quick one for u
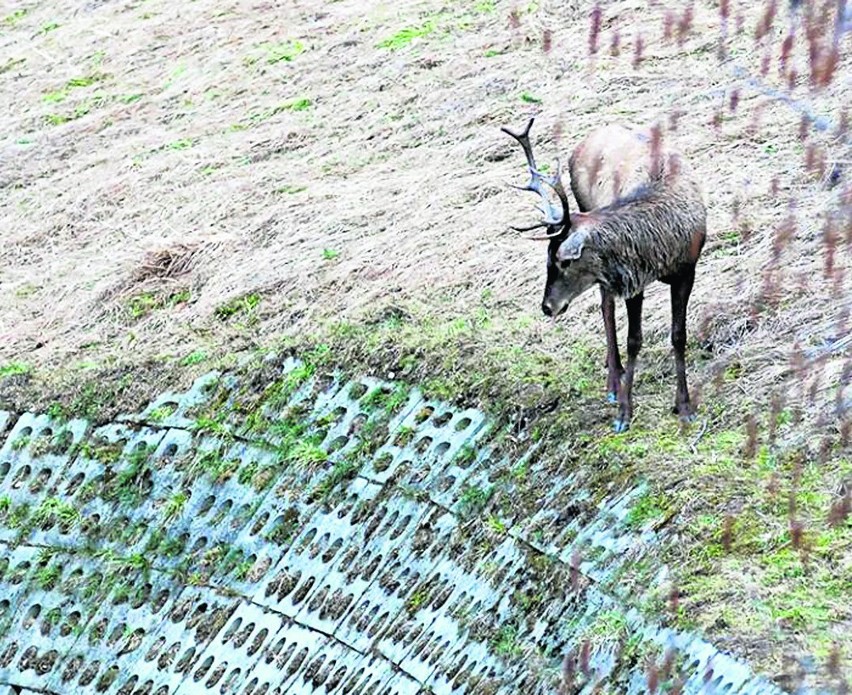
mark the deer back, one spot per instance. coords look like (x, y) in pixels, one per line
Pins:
(612, 162)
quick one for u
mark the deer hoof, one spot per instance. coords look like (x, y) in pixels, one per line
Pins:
(612, 397)
(684, 412)
(620, 426)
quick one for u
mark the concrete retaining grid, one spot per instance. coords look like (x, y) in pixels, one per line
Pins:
(149, 557)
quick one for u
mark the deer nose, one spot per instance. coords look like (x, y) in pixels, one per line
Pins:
(545, 307)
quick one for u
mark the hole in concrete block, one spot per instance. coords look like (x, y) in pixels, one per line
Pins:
(107, 679)
(382, 463)
(424, 414)
(72, 621)
(129, 685)
(168, 656)
(202, 670)
(116, 633)
(155, 649)
(259, 523)
(463, 424)
(337, 443)
(241, 637)
(257, 642)
(312, 669)
(72, 668)
(206, 505)
(442, 419)
(230, 683)
(232, 628)
(27, 660)
(216, 674)
(75, 483)
(183, 665)
(22, 474)
(319, 545)
(89, 673)
(31, 616)
(357, 390)
(297, 661)
(303, 590)
(159, 601)
(273, 651)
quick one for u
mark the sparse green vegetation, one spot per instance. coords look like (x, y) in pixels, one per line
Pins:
(175, 506)
(13, 18)
(505, 643)
(182, 144)
(608, 626)
(193, 358)
(299, 104)
(101, 450)
(133, 479)
(306, 454)
(258, 117)
(47, 577)
(405, 36)
(291, 189)
(340, 472)
(14, 369)
(145, 303)
(465, 456)
(473, 500)
(55, 511)
(529, 98)
(646, 509)
(215, 464)
(417, 600)
(240, 306)
(287, 51)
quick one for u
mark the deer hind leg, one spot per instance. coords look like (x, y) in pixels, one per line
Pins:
(634, 344)
(681, 287)
(613, 359)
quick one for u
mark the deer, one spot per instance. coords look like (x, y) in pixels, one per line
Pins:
(641, 219)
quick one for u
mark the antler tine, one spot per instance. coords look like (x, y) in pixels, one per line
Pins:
(524, 140)
(552, 218)
(544, 237)
(555, 182)
(548, 235)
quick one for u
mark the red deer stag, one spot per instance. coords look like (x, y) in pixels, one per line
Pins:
(642, 218)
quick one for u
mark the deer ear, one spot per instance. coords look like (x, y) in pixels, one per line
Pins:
(572, 248)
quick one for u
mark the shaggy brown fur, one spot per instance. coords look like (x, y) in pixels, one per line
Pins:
(642, 219)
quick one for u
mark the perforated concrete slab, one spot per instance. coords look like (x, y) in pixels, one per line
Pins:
(327, 538)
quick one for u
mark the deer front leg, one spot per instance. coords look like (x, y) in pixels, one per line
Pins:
(613, 359)
(681, 287)
(634, 344)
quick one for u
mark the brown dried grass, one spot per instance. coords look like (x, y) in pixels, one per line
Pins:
(400, 157)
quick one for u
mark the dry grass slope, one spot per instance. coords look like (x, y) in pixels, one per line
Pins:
(182, 182)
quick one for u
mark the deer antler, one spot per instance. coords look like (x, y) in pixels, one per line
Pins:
(552, 217)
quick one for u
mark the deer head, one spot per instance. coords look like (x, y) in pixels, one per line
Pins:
(567, 273)
(570, 268)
